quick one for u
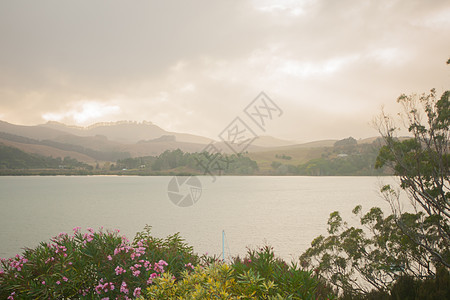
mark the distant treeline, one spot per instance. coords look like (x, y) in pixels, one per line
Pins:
(199, 162)
(13, 159)
(346, 158)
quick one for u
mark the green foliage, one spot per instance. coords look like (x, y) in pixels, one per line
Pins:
(96, 265)
(404, 254)
(215, 281)
(377, 254)
(100, 155)
(93, 265)
(275, 164)
(289, 281)
(13, 158)
(410, 288)
(423, 166)
(201, 163)
(347, 160)
(172, 249)
(258, 276)
(283, 156)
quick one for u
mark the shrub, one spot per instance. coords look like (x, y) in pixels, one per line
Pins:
(92, 265)
(258, 276)
(105, 265)
(291, 282)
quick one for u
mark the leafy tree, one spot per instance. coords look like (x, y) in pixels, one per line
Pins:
(275, 164)
(390, 253)
(372, 256)
(422, 165)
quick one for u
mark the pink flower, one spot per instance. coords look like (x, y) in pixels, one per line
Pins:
(58, 282)
(109, 257)
(88, 237)
(61, 234)
(162, 263)
(43, 282)
(123, 288)
(119, 270)
(76, 229)
(137, 292)
(147, 265)
(65, 278)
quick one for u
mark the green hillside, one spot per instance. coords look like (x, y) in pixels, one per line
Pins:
(12, 159)
(344, 157)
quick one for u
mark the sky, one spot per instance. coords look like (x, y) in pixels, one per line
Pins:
(194, 66)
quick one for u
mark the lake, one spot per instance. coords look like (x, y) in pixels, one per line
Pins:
(285, 212)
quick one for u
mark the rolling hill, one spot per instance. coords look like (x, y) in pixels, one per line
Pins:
(104, 142)
(125, 132)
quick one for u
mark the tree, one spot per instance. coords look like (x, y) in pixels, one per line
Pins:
(350, 141)
(373, 256)
(404, 244)
(422, 165)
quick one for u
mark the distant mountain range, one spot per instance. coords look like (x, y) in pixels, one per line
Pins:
(112, 141)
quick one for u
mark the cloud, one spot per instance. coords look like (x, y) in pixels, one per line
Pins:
(83, 113)
(286, 7)
(193, 66)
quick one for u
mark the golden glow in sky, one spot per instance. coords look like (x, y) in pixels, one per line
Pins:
(192, 66)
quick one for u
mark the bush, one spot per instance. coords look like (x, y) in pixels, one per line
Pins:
(92, 265)
(257, 276)
(290, 281)
(105, 265)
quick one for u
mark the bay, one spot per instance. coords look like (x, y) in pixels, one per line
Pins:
(284, 212)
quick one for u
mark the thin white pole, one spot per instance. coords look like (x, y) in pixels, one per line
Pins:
(223, 245)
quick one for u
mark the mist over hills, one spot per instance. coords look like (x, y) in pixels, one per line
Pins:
(146, 149)
(112, 141)
(125, 131)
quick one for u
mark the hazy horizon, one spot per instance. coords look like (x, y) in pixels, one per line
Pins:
(193, 67)
(112, 123)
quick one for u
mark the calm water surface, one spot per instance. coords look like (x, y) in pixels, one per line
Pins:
(285, 212)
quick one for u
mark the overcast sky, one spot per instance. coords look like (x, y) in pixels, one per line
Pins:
(193, 66)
